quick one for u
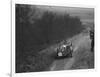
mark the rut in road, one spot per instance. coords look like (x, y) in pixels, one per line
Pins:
(66, 63)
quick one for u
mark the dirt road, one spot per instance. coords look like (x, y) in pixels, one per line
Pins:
(79, 41)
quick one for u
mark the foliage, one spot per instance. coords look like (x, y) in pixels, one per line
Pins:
(31, 38)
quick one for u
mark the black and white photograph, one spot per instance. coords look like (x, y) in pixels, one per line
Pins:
(53, 38)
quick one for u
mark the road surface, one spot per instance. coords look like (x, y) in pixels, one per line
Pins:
(79, 41)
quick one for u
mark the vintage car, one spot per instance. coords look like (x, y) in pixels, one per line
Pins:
(65, 50)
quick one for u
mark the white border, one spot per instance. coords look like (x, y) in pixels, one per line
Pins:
(67, 73)
(13, 39)
(67, 3)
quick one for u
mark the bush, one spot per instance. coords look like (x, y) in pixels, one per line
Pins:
(32, 37)
(35, 63)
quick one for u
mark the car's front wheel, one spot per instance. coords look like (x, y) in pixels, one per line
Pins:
(70, 54)
(60, 54)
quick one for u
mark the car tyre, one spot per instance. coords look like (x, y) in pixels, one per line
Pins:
(70, 54)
